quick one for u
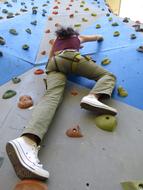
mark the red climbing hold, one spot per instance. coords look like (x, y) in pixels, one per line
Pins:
(38, 72)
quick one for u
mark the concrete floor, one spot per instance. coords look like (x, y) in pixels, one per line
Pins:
(98, 160)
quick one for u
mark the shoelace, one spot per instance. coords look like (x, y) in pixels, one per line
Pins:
(35, 153)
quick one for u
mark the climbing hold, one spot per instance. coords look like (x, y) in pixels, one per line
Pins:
(67, 8)
(54, 12)
(43, 52)
(34, 11)
(25, 47)
(86, 9)
(116, 33)
(107, 14)
(132, 185)
(4, 11)
(98, 26)
(140, 49)
(115, 24)
(50, 18)
(16, 14)
(74, 132)
(57, 25)
(29, 184)
(39, 72)
(56, 7)
(13, 31)
(93, 14)
(1, 53)
(23, 10)
(110, 18)
(28, 31)
(34, 22)
(71, 15)
(126, 19)
(47, 31)
(74, 92)
(100, 39)
(77, 25)
(105, 61)
(76, 11)
(106, 122)
(9, 94)
(133, 36)
(16, 80)
(122, 92)
(25, 102)
(84, 20)
(81, 5)
(1, 17)
(10, 15)
(2, 41)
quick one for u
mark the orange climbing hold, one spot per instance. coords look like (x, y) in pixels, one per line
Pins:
(31, 185)
(74, 132)
(38, 72)
(25, 102)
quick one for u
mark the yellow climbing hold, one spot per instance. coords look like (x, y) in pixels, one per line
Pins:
(106, 122)
(105, 61)
(122, 92)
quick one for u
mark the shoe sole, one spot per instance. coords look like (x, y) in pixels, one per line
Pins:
(98, 110)
(21, 171)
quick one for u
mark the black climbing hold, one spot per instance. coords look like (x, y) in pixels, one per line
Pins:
(1, 53)
(13, 31)
(2, 41)
(25, 47)
(34, 22)
(28, 31)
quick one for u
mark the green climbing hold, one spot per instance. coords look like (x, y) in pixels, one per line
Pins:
(25, 47)
(115, 24)
(129, 185)
(106, 122)
(93, 14)
(2, 41)
(81, 5)
(110, 18)
(122, 92)
(16, 80)
(133, 36)
(105, 61)
(116, 33)
(98, 26)
(86, 9)
(77, 25)
(9, 94)
(13, 31)
(84, 20)
(28, 31)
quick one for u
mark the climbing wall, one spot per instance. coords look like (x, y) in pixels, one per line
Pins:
(99, 159)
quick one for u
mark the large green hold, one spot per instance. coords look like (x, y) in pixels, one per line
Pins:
(9, 94)
(106, 122)
(129, 185)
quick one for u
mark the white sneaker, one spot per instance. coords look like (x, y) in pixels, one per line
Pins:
(91, 103)
(23, 154)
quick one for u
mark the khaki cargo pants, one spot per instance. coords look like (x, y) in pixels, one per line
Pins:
(57, 69)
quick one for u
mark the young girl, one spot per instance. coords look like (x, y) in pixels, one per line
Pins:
(64, 59)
